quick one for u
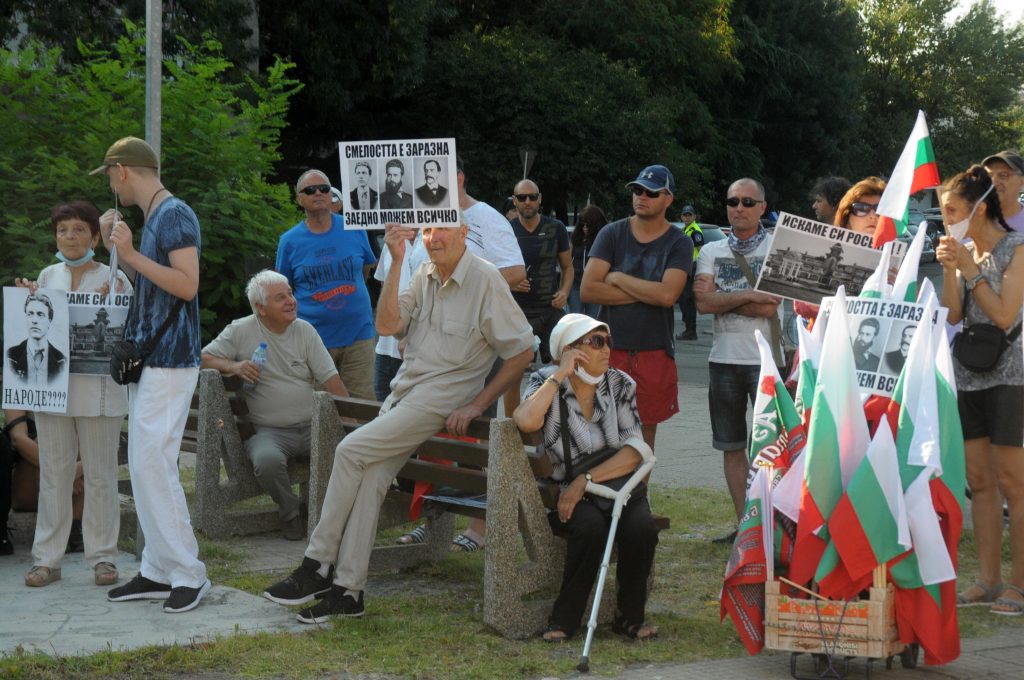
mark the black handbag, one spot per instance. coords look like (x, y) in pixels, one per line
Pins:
(979, 346)
(128, 359)
(593, 460)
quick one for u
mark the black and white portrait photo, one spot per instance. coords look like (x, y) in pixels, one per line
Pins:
(35, 349)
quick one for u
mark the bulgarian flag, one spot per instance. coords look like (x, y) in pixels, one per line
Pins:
(836, 442)
(905, 286)
(877, 285)
(787, 494)
(929, 443)
(777, 438)
(915, 170)
(869, 525)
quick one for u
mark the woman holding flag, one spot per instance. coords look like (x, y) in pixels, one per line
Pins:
(983, 283)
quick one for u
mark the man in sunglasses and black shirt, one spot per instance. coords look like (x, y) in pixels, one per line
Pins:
(637, 270)
(724, 289)
(326, 267)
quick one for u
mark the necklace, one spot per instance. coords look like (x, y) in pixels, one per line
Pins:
(155, 194)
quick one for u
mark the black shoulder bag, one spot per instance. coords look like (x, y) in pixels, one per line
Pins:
(593, 460)
(978, 346)
(127, 358)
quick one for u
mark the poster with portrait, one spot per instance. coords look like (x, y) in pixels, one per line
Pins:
(36, 356)
(809, 260)
(880, 334)
(96, 321)
(407, 181)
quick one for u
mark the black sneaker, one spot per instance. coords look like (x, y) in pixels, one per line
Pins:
(183, 598)
(139, 588)
(335, 603)
(6, 545)
(303, 585)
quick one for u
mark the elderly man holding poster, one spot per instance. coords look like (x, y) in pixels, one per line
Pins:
(456, 317)
(724, 286)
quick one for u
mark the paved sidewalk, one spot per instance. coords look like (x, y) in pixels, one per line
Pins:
(73, 617)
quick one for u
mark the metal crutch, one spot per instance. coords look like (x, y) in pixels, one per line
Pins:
(621, 497)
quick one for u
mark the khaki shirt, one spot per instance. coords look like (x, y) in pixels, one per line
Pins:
(454, 332)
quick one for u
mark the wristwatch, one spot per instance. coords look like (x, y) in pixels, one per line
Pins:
(587, 476)
(974, 281)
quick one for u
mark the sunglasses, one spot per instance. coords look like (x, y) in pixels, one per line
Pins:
(523, 198)
(597, 341)
(313, 188)
(863, 209)
(747, 201)
(640, 191)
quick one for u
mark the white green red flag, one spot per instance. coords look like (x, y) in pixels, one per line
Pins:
(777, 438)
(869, 525)
(877, 285)
(837, 439)
(905, 286)
(929, 444)
(915, 170)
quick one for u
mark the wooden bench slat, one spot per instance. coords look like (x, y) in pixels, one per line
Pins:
(440, 475)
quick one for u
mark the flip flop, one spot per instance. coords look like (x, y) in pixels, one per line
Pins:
(987, 597)
(1011, 606)
(463, 543)
(417, 535)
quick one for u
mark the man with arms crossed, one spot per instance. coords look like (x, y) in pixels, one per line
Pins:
(722, 289)
(165, 273)
(456, 317)
(636, 272)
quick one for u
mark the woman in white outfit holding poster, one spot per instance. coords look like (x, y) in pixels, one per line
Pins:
(90, 428)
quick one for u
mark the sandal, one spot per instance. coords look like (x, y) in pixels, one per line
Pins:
(634, 631)
(38, 576)
(105, 574)
(417, 535)
(983, 595)
(463, 543)
(554, 634)
(1009, 606)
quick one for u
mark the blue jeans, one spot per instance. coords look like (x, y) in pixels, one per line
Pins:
(385, 368)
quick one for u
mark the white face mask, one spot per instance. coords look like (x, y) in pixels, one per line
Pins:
(586, 377)
(959, 230)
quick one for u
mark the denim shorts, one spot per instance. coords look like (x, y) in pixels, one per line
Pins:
(731, 386)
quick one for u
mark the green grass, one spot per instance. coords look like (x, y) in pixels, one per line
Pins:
(426, 622)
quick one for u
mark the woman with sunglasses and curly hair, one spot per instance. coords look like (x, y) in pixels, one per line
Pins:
(858, 209)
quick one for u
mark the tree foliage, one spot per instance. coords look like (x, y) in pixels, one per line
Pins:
(220, 142)
(965, 74)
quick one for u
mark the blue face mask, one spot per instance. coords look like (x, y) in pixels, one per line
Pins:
(80, 261)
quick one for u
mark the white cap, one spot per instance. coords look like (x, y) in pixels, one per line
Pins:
(569, 329)
(335, 195)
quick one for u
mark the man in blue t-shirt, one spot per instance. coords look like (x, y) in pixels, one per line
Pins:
(637, 270)
(327, 266)
(165, 273)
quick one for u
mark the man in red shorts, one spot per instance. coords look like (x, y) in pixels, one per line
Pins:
(636, 272)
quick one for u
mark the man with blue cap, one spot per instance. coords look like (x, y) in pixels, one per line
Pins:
(637, 270)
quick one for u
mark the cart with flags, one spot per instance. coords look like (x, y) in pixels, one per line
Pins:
(848, 543)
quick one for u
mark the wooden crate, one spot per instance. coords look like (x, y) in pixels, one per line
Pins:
(867, 628)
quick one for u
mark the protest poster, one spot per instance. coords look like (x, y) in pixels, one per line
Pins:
(96, 321)
(809, 260)
(35, 350)
(407, 181)
(880, 334)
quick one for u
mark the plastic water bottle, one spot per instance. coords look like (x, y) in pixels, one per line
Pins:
(259, 357)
